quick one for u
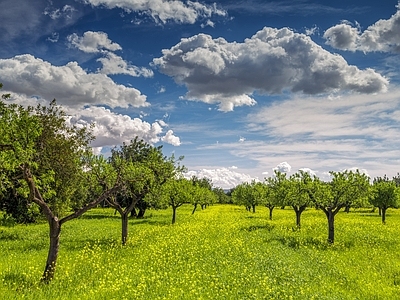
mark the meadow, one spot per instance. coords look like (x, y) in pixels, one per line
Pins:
(222, 252)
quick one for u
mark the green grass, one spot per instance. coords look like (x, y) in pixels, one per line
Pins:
(223, 252)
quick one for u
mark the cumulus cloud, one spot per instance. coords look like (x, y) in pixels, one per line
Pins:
(92, 42)
(170, 138)
(69, 84)
(283, 167)
(222, 177)
(114, 64)
(383, 36)
(271, 61)
(309, 171)
(163, 11)
(113, 129)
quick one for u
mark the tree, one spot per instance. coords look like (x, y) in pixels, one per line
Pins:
(275, 191)
(345, 188)
(153, 170)
(297, 196)
(175, 193)
(46, 155)
(248, 194)
(384, 194)
(201, 192)
(222, 197)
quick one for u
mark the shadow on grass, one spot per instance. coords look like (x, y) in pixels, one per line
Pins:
(9, 236)
(295, 242)
(267, 227)
(17, 281)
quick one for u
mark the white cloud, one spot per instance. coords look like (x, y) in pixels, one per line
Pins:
(222, 177)
(283, 167)
(271, 61)
(164, 10)
(383, 36)
(309, 171)
(69, 84)
(92, 42)
(114, 64)
(170, 138)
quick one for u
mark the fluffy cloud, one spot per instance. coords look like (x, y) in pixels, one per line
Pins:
(170, 138)
(309, 171)
(164, 10)
(223, 177)
(383, 36)
(92, 42)
(271, 61)
(114, 64)
(69, 84)
(283, 167)
(113, 129)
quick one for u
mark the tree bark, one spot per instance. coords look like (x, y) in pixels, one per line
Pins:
(254, 208)
(50, 268)
(141, 212)
(194, 208)
(299, 210)
(124, 219)
(331, 225)
(271, 208)
(384, 215)
(173, 214)
(380, 211)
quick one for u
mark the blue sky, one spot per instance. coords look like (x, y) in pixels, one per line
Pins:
(240, 88)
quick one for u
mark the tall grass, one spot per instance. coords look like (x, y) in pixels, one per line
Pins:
(223, 252)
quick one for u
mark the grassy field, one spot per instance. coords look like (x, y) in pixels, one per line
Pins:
(223, 252)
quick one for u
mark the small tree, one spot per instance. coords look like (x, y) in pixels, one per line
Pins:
(384, 194)
(345, 188)
(297, 196)
(175, 193)
(248, 194)
(275, 191)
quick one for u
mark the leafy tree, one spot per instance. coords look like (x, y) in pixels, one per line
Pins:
(248, 194)
(175, 193)
(384, 194)
(155, 170)
(275, 191)
(202, 192)
(222, 197)
(345, 188)
(297, 195)
(46, 154)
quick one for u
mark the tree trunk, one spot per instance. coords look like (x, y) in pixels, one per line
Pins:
(133, 213)
(384, 215)
(271, 208)
(173, 214)
(49, 270)
(124, 218)
(194, 208)
(298, 215)
(331, 226)
(141, 212)
(254, 208)
(347, 209)
(380, 211)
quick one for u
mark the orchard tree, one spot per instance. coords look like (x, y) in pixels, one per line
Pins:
(201, 192)
(384, 194)
(275, 191)
(175, 193)
(155, 170)
(248, 194)
(49, 158)
(297, 196)
(345, 188)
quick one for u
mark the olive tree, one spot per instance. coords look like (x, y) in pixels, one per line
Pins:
(275, 191)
